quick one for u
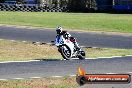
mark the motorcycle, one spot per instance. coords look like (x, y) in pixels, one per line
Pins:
(68, 49)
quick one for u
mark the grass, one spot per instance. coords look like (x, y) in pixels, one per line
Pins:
(77, 21)
(64, 82)
(19, 51)
(25, 51)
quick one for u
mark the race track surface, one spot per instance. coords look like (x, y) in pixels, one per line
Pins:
(84, 38)
(46, 68)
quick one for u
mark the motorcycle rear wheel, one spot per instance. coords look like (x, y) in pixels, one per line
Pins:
(82, 55)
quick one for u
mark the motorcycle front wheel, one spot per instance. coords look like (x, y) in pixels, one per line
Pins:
(65, 52)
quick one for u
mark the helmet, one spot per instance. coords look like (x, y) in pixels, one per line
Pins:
(59, 30)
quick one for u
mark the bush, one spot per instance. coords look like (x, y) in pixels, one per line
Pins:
(82, 5)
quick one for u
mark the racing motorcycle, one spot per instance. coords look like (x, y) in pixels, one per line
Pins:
(68, 49)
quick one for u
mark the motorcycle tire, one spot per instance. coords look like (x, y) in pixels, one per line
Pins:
(63, 53)
(82, 55)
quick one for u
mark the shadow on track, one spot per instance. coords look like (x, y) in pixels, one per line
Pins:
(59, 60)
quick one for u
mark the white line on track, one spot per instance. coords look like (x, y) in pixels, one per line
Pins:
(56, 76)
(72, 75)
(112, 57)
(116, 56)
(3, 79)
(18, 78)
(35, 77)
(12, 40)
(19, 61)
(64, 59)
(128, 55)
(24, 41)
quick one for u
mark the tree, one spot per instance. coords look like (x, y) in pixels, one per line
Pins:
(1, 1)
(81, 5)
(20, 1)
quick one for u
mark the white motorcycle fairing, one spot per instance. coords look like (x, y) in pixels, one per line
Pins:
(60, 40)
(67, 48)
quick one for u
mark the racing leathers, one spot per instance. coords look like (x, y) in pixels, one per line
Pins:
(67, 35)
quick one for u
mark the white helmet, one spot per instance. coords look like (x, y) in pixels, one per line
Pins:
(59, 30)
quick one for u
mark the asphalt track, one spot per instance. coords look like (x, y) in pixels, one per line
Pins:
(45, 68)
(84, 38)
(48, 68)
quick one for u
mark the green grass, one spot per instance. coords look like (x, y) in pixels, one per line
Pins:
(18, 51)
(76, 21)
(69, 82)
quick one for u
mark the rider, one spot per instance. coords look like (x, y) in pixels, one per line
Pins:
(66, 35)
